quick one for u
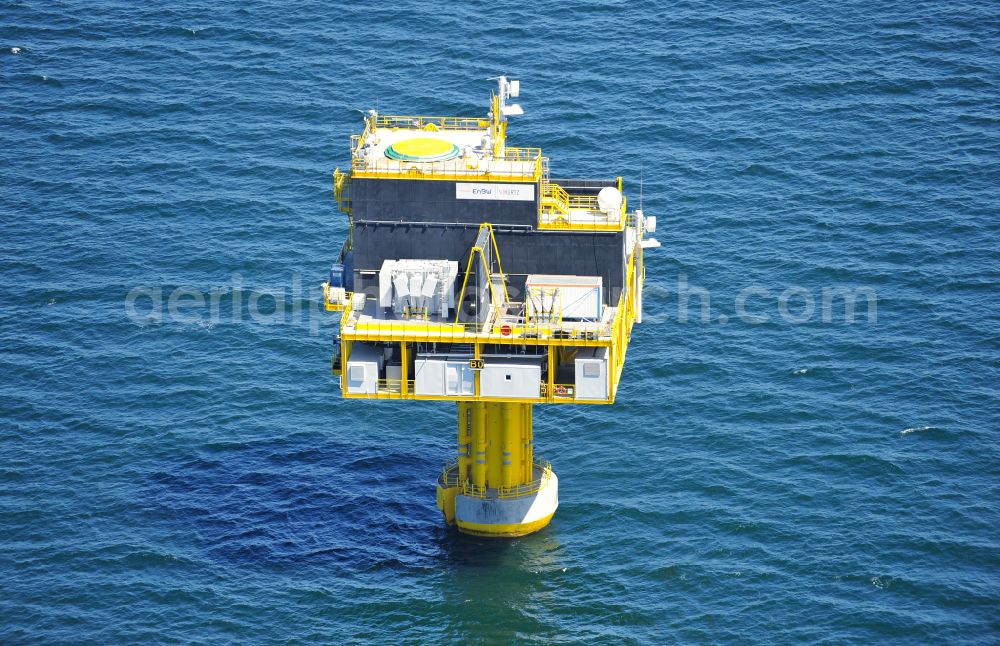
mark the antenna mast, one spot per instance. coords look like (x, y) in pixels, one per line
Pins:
(640, 185)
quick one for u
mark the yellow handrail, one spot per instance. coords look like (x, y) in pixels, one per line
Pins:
(524, 170)
(505, 492)
(473, 490)
(449, 474)
(586, 202)
(341, 184)
(332, 306)
(404, 122)
(390, 386)
(528, 488)
(555, 196)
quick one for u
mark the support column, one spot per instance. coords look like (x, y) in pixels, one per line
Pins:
(404, 387)
(527, 445)
(464, 441)
(553, 350)
(478, 443)
(511, 496)
(511, 470)
(494, 445)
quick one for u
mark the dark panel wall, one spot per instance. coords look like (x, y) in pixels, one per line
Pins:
(521, 251)
(421, 200)
(585, 186)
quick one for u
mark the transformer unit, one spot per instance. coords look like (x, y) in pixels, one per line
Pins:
(415, 288)
(572, 298)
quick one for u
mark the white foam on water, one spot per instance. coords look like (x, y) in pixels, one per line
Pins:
(916, 429)
(882, 582)
(15, 50)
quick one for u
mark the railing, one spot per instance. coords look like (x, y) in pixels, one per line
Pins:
(583, 202)
(473, 490)
(390, 386)
(379, 327)
(521, 154)
(555, 197)
(449, 474)
(510, 154)
(469, 332)
(394, 387)
(576, 211)
(558, 196)
(421, 123)
(449, 478)
(579, 222)
(528, 488)
(341, 190)
(336, 305)
(516, 164)
(590, 220)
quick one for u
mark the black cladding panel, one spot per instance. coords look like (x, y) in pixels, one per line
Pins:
(522, 251)
(420, 200)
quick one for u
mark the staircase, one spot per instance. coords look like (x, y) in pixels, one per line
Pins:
(342, 190)
(555, 199)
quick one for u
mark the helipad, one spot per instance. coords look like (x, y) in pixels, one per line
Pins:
(422, 149)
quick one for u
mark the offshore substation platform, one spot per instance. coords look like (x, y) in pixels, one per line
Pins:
(471, 275)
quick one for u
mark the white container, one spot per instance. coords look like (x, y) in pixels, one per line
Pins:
(363, 368)
(511, 378)
(443, 376)
(580, 298)
(592, 374)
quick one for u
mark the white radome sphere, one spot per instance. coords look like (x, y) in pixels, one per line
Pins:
(609, 200)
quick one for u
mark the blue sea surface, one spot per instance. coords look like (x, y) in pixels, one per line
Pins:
(185, 471)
